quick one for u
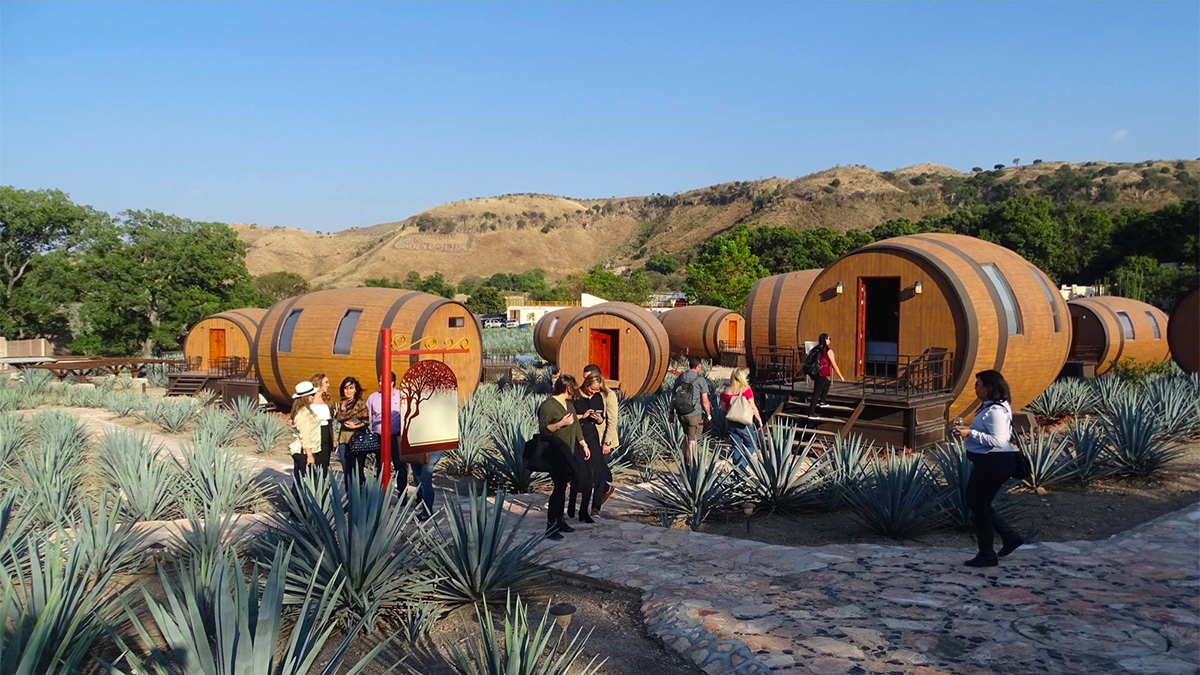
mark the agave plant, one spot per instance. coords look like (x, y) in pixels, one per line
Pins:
(474, 432)
(1106, 390)
(60, 429)
(370, 545)
(172, 415)
(1090, 456)
(124, 404)
(156, 375)
(266, 430)
(899, 498)
(36, 380)
(10, 399)
(1140, 448)
(220, 476)
(15, 530)
(1049, 460)
(1066, 397)
(525, 650)
(776, 478)
(15, 436)
(508, 468)
(695, 489)
(136, 469)
(217, 427)
(52, 617)
(955, 468)
(51, 476)
(1176, 403)
(247, 619)
(417, 621)
(244, 409)
(847, 465)
(482, 553)
(102, 542)
(200, 548)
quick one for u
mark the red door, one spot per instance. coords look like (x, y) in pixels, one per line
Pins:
(600, 351)
(733, 341)
(216, 345)
(860, 332)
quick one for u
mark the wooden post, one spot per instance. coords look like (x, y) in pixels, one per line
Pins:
(385, 408)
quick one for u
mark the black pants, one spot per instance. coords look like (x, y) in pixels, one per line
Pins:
(582, 484)
(989, 472)
(353, 464)
(300, 463)
(820, 391)
(561, 473)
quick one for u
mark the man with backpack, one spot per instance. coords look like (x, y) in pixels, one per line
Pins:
(689, 400)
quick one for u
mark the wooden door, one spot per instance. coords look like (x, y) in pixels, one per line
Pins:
(733, 341)
(860, 333)
(216, 345)
(600, 351)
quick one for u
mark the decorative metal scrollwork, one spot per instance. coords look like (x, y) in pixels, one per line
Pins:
(402, 342)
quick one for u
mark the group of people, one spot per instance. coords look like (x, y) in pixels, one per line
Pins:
(691, 404)
(360, 423)
(577, 431)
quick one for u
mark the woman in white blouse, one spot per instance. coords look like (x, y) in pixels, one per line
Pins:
(320, 408)
(988, 442)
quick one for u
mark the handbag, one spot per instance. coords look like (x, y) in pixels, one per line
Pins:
(362, 442)
(295, 447)
(740, 410)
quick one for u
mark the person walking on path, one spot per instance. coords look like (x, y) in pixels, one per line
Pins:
(689, 400)
(988, 442)
(351, 413)
(321, 408)
(609, 439)
(556, 417)
(307, 446)
(827, 366)
(589, 409)
(741, 415)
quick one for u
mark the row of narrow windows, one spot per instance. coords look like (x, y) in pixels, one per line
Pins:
(1127, 325)
(344, 337)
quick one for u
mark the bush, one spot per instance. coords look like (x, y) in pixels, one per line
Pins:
(695, 489)
(899, 497)
(481, 556)
(918, 180)
(776, 478)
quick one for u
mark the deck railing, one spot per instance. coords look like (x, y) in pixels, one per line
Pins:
(1086, 354)
(727, 346)
(909, 376)
(776, 365)
(226, 366)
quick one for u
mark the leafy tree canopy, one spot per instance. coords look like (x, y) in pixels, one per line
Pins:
(280, 285)
(486, 300)
(725, 271)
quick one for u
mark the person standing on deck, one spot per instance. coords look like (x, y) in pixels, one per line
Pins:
(827, 367)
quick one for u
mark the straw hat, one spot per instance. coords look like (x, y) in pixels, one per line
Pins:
(303, 389)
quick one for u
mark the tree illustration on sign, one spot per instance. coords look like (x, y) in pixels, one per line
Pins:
(423, 381)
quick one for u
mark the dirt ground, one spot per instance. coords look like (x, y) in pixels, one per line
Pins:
(1063, 513)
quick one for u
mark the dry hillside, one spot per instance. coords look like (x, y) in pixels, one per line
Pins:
(515, 233)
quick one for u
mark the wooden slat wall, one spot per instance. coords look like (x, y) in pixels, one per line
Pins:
(237, 342)
(697, 330)
(1142, 348)
(642, 362)
(312, 341)
(1183, 332)
(543, 344)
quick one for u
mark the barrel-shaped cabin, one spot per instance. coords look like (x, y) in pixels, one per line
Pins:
(1183, 332)
(549, 330)
(704, 331)
(925, 312)
(774, 349)
(1106, 329)
(337, 332)
(628, 344)
(223, 342)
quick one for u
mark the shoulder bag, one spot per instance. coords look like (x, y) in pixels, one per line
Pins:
(740, 410)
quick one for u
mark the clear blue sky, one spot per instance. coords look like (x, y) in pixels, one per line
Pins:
(333, 115)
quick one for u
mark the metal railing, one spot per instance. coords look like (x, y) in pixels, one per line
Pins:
(727, 346)
(909, 376)
(1085, 354)
(226, 366)
(776, 365)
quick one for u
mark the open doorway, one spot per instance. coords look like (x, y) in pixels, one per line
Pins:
(878, 326)
(604, 351)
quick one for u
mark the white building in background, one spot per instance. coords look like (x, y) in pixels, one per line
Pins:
(529, 312)
(1071, 292)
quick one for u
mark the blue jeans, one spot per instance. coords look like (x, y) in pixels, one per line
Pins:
(423, 477)
(742, 436)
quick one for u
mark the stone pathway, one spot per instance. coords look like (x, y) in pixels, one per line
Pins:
(1127, 604)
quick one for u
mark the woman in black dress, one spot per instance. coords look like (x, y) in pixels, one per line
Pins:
(589, 408)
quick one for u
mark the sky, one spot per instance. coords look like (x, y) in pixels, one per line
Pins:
(325, 116)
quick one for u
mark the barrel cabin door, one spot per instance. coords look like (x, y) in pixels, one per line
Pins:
(878, 333)
(733, 341)
(216, 345)
(603, 351)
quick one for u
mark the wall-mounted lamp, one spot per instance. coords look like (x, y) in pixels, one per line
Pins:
(840, 288)
(627, 330)
(917, 288)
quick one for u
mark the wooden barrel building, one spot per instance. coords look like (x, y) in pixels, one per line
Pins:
(336, 332)
(704, 331)
(549, 330)
(896, 304)
(1107, 329)
(626, 341)
(773, 320)
(1183, 332)
(223, 335)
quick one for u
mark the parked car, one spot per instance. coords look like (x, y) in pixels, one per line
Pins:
(493, 323)
(512, 324)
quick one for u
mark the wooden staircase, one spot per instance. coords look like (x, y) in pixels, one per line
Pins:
(186, 384)
(884, 423)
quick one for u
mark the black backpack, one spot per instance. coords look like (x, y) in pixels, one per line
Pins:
(812, 362)
(683, 399)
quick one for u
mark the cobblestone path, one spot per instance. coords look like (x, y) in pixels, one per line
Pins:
(1130, 603)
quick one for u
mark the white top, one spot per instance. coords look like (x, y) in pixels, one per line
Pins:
(991, 430)
(321, 410)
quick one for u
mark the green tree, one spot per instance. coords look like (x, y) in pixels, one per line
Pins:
(724, 272)
(280, 285)
(615, 287)
(663, 264)
(774, 247)
(897, 227)
(486, 300)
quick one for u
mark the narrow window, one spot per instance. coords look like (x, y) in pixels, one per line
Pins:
(553, 325)
(1154, 325)
(1049, 295)
(345, 331)
(1126, 325)
(1011, 311)
(456, 322)
(289, 327)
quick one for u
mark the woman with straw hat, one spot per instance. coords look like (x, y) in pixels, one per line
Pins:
(306, 448)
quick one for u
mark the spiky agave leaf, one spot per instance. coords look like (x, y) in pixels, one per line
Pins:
(243, 630)
(103, 542)
(36, 380)
(244, 409)
(483, 552)
(508, 468)
(15, 530)
(525, 650)
(15, 436)
(137, 469)
(777, 478)
(848, 464)
(1176, 403)
(60, 429)
(1049, 460)
(124, 404)
(695, 489)
(219, 476)
(899, 499)
(1070, 396)
(954, 467)
(200, 548)
(1140, 448)
(51, 476)
(173, 415)
(216, 426)
(371, 544)
(266, 430)
(474, 433)
(1089, 451)
(417, 621)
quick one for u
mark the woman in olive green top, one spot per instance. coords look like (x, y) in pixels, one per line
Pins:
(556, 417)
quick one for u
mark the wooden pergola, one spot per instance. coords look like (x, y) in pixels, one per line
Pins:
(82, 367)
